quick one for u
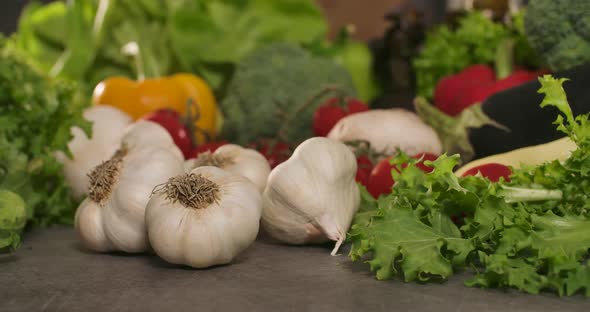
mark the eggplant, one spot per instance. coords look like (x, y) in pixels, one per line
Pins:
(519, 110)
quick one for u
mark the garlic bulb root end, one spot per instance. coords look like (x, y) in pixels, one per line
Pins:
(337, 246)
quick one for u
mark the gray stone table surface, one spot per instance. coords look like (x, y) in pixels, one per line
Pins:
(52, 272)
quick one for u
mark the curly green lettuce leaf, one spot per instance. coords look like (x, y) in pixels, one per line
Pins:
(543, 254)
(401, 245)
(409, 234)
(36, 115)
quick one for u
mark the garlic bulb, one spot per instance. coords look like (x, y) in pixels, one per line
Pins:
(108, 126)
(203, 218)
(112, 217)
(235, 159)
(387, 130)
(312, 197)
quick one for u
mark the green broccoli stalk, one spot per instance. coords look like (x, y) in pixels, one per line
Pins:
(559, 31)
(275, 91)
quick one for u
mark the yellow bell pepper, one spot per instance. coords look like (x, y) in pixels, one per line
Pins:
(183, 92)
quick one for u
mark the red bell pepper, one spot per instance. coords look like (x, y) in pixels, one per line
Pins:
(475, 84)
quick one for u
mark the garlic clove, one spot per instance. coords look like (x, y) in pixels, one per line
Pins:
(247, 162)
(88, 223)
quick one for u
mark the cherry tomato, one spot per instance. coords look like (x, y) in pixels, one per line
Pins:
(381, 181)
(425, 156)
(492, 171)
(363, 171)
(275, 152)
(332, 110)
(172, 122)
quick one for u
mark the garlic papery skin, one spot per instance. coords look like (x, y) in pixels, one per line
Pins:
(112, 217)
(235, 159)
(312, 197)
(388, 130)
(108, 127)
(203, 218)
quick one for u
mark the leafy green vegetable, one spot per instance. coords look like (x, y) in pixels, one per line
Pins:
(82, 39)
(559, 31)
(532, 233)
(356, 57)
(401, 244)
(275, 91)
(447, 51)
(36, 114)
(13, 217)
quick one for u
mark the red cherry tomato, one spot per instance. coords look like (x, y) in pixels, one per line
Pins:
(332, 110)
(363, 171)
(172, 122)
(381, 181)
(425, 157)
(356, 106)
(492, 171)
(275, 152)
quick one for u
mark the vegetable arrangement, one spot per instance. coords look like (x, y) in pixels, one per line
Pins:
(200, 133)
(529, 233)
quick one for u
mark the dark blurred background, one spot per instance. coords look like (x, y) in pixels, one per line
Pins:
(9, 11)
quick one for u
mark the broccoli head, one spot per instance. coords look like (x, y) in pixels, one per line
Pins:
(559, 31)
(276, 89)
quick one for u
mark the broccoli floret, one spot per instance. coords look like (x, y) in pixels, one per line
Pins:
(559, 31)
(275, 91)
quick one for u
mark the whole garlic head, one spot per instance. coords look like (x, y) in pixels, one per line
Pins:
(388, 130)
(235, 159)
(312, 197)
(203, 218)
(112, 217)
(108, 127)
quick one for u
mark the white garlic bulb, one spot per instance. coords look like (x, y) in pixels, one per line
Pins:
(312, 197)
(388, 130)
(112, 217)
(235, 159)
(108, 127)
(203, 218)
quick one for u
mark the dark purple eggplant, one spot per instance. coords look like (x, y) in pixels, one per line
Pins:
(518, 109)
